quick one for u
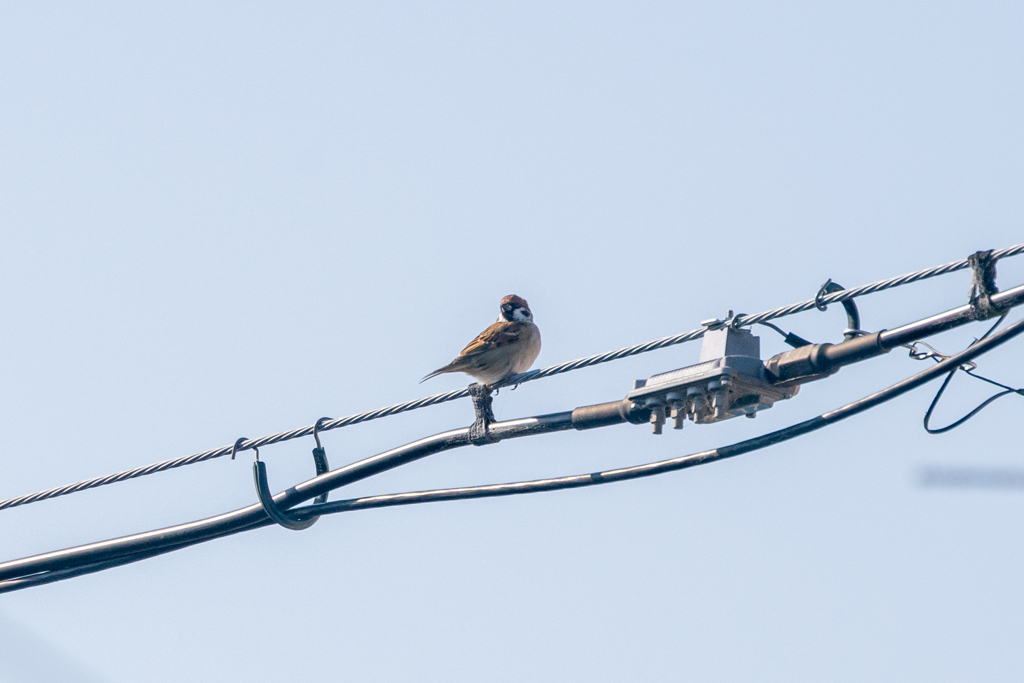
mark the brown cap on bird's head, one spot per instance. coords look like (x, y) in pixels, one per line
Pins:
(517, 300)
(514, 308)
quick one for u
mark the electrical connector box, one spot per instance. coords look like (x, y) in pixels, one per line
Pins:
(729, 381)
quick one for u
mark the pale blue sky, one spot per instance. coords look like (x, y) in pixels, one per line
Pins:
(225, 220)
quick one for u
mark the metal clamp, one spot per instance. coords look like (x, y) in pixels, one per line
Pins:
(983, 286)
(479, 433)
(733, 321)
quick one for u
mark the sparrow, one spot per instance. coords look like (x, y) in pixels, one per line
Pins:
(506, 348)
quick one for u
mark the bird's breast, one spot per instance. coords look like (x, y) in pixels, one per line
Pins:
(529, 348)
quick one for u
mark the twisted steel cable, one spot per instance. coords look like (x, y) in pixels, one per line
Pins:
(529, 376)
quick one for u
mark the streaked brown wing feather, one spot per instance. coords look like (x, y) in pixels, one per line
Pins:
(478, 354)
(494, 337)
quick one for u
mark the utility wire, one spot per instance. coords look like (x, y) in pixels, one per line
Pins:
(56, 566)
(984, 404)
(650, 469)
(529, 376)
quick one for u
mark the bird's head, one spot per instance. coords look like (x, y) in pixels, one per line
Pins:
(515, 309)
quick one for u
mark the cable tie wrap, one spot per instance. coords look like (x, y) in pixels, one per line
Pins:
(479, 432)
(983, 285)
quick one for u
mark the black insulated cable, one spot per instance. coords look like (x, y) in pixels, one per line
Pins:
(969, 370)
(984, 404)
(59, 565)
(794, 340)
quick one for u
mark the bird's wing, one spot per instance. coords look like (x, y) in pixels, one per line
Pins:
(494, 337)
(477, 352)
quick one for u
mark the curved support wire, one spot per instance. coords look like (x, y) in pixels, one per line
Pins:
(259, 475)
(281, 517)
(852, 314)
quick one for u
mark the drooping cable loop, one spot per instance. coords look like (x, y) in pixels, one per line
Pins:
(984, 404)
(968, 368)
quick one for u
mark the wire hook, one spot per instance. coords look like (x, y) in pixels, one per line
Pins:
(238, 442)
(316, 431)
(822, 291)
(852, 314)
(320, 457)
(259, 475)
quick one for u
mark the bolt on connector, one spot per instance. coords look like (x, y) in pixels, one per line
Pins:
(657, 414)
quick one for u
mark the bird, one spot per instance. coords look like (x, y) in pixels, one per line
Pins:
(506, 348)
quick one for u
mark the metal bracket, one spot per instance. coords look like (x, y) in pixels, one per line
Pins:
(479, 433)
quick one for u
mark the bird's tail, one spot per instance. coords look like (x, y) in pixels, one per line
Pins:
(457, 365)
(435, 373)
